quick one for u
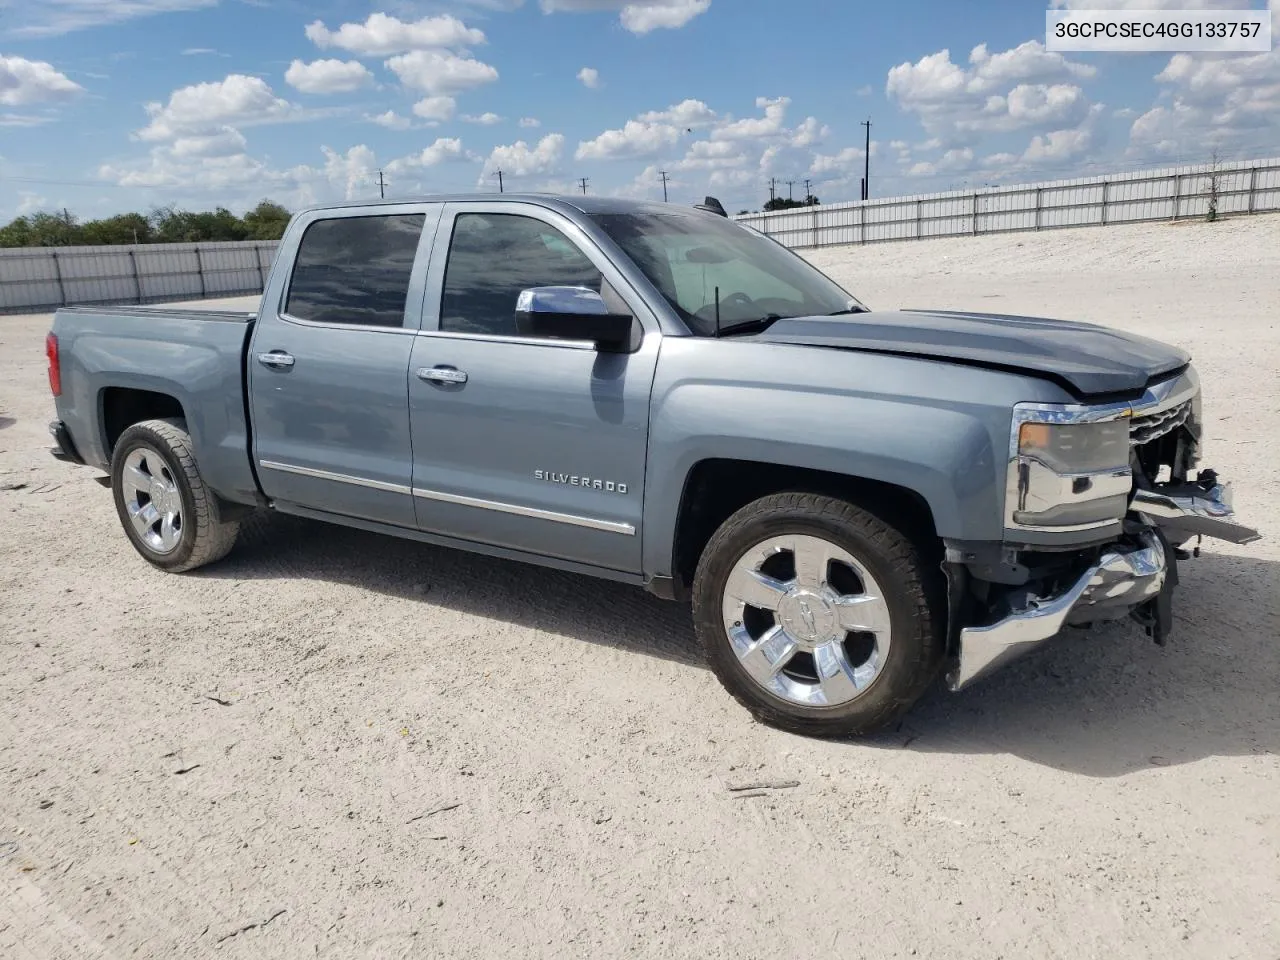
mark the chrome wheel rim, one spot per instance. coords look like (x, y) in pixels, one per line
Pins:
(152, 500)
(807, 621)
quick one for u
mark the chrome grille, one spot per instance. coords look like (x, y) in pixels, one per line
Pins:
(1153, 426)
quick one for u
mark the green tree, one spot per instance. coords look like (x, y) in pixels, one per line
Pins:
(266, 221)
(124, 228)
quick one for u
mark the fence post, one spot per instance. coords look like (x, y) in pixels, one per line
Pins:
(1039, 193)
(1106, 188)
(975, 214)
(137, 281)
(919, 209)
(262, 273)
(1177, 193)
(1253, 187)
(815, 226)
(200, 271)
(862, 221)
(57, 272)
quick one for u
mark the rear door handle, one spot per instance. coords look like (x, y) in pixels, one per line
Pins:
(276, 358)
(442, 375)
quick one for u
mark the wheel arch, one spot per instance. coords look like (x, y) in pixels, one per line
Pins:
(715, 488)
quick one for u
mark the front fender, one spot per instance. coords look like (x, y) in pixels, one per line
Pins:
(936, 429)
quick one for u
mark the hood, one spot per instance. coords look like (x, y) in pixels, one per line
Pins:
(1086, 359)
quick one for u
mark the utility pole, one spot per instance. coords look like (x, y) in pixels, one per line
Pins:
(662, 174)
(866, 176)
(382, 186)
(773, 188)
(582, 182)
(791, 194)
(808, 191)
(499, 176)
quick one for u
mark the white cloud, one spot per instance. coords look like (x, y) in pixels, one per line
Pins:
(382, 35)
(23, 120)
(530, 123)
(636, 140)
(351, 171)
(959, 158)
(24, 82)
(440, 72)
(755, 128)
(484, 119)
(437, 109)
(521, 160)
(237, 100)
(226, 142)
(842, 164)
(391, 120)
(713, 155)
(688, 114)
(637, 16)
(442, 150)
(590, 77)
(55, 17)
(1151, 5)
(1213, 103)
(327, 76)
(1023, 89)
(29, 202)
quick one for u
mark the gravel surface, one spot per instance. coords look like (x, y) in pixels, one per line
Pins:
(335, 744)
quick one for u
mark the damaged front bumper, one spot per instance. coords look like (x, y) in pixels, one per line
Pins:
(1133, 577)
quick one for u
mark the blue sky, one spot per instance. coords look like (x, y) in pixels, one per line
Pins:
(109, 105)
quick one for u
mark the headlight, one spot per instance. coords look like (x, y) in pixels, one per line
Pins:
(1069, 468)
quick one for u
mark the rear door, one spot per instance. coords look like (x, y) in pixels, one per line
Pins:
(529, 444)
(328, 365)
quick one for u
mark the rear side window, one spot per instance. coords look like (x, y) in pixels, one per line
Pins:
(355, 270)
(492, 257)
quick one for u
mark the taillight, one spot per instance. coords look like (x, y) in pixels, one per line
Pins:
(55, 369)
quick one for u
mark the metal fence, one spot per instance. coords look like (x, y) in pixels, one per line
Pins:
(45, 278)
(1175, 193)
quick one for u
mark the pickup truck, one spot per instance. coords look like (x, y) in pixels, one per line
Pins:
(854, 503)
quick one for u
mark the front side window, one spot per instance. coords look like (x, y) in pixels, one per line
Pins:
(355, 270)
(492, 257)
(690, 256)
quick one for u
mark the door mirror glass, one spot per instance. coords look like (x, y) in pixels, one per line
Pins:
(572, 313)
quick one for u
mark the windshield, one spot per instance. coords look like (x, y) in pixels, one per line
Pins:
(688, 255)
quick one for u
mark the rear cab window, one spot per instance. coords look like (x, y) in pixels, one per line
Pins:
(355, 270)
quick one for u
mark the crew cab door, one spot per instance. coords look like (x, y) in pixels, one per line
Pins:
(533, 445)
(328, 363)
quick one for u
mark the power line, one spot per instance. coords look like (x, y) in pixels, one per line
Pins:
(662, 174)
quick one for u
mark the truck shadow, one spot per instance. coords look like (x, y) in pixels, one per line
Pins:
(6, 421)
(1102, 703)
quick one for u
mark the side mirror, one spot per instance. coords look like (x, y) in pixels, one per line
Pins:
(572, 313)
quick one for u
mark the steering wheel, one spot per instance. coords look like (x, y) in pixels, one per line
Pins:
(737, 298)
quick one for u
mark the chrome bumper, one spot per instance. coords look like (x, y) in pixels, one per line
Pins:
(1123, 579)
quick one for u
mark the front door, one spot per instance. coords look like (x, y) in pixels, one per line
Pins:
(329, 365)
(529, 444)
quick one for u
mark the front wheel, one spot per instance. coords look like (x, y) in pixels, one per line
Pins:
(817, 615)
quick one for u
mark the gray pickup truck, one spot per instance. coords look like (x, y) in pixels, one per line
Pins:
(854, 502)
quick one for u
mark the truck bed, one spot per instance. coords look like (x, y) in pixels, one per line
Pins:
(119, 360)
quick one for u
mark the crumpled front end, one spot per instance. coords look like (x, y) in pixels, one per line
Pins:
(1025, 596)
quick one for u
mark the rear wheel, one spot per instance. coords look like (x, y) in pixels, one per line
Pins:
(815, 614)
(168, 513)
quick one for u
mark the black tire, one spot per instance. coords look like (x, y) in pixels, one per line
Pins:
(204, 536)
(914, 598)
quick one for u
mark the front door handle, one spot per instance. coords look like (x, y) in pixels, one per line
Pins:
(442, 375)
(276, 358)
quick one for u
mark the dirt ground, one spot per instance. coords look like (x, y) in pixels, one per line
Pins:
(341, 745)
